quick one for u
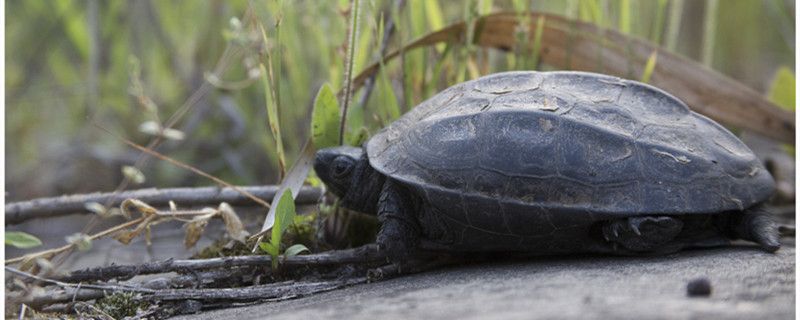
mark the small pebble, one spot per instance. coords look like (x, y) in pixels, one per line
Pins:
(699, 287)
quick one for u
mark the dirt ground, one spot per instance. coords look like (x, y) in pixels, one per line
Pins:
(746, 283)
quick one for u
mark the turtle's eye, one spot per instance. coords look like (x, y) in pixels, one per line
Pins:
(342, 166)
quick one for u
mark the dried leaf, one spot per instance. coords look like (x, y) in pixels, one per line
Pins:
(132, 173)
(150, 127)
(96, 208)
(125, 236)
(81, 240)
(173, 134)
(131, 206)
(293, 181)
(194, 230)
(232, 223)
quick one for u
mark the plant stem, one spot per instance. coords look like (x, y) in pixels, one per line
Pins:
(351, 49)
(709, 32)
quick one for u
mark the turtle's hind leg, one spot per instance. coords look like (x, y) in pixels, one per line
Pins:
(755, 224)
(641, 234)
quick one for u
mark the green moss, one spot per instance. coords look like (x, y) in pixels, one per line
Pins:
(224, 248)
(120, 305)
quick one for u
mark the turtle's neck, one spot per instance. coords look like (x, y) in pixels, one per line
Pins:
(365, 188)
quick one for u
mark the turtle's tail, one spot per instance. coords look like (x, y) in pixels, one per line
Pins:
(755, 224)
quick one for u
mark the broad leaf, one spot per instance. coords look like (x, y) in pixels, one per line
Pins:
(782, 89)
(325, 119)
(295, 250)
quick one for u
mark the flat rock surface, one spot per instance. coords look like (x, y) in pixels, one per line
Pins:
(746, 284)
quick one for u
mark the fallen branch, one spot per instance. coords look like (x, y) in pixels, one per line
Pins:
(269, 292)
(361, 255)
(18, 212)
(283, 290)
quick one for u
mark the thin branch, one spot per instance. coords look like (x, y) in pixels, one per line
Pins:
(18, 212)
(77, 285)
(361, 255)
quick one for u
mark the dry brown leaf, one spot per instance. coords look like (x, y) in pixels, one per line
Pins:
(233, 224)
(195, 227)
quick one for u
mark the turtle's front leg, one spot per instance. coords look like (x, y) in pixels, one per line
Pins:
(399, 232)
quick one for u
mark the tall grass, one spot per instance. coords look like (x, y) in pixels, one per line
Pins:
(50, 64)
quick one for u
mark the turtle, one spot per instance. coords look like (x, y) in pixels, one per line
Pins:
(549, 163)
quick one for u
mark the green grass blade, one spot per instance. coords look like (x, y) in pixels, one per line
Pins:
(658, 24)
(674, 25)
(625, 16)
(537, 42)
(649, 67)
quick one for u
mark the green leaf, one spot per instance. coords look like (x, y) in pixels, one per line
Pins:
(268, 248)
(295, 250)
(325, 118)
(22, 240)
(284, 215)
(358, 138)
(782, 89)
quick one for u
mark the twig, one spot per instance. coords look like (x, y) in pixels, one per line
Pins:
(18, 212)
(361, 255)
(78, 285)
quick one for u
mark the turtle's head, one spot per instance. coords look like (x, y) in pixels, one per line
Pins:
(336, 167)
(347, 173)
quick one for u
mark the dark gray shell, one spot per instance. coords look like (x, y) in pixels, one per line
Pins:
(572, 141)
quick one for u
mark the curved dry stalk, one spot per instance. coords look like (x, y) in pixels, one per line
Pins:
(582, 46)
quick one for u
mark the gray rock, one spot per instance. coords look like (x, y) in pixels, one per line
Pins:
(748, 284)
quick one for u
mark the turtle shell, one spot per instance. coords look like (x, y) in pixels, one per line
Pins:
(573, 141)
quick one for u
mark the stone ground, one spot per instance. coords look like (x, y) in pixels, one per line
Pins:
(747, 284)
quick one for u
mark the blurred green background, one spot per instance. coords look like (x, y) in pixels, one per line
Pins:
(72, 63)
